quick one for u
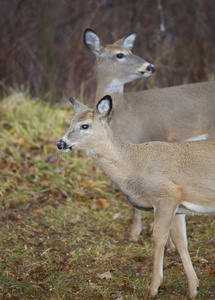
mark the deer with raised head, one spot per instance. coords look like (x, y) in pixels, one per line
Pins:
(171, 114)
(171, 179)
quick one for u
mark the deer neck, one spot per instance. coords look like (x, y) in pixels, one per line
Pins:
(112, 155)
(122, 162)
(107, 86)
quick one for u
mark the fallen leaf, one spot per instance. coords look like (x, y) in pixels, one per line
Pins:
(89, 185)
(107, 255)
(105, 275)
(19, 218)
(36, 231)
(212, 273)
(100, 203)
(94, 285)
(116, 216)
(22, 142)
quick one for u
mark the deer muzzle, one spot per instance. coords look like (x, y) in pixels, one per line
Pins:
(63, 146)
(151, 68)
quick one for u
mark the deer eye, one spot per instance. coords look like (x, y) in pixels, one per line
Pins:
(84, 126)
(120, 55)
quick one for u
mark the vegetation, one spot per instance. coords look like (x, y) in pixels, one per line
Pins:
(42, 42)
(65, 227)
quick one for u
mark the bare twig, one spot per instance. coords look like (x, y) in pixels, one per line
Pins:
(162, 19)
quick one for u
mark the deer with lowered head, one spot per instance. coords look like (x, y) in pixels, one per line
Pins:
(171, 179)
(171, 114)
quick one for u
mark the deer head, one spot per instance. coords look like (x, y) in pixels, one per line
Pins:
(84, 132)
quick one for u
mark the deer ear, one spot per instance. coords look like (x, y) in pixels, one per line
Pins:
(78, 106)
(104, 107)
(127, 42)
(92, 41)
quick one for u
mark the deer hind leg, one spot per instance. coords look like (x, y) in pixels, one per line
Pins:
(178, 233)
(169, 244)
(136, 226)
(137, 229)
(163, 217)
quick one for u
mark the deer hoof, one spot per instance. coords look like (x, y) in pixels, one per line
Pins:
(153, 292)
(134, 236)
(193, 296)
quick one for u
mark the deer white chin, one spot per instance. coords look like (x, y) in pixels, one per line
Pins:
(66, 150)
(146, 74)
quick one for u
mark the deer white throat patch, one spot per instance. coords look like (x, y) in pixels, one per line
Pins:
(117, 85)
(198, 138)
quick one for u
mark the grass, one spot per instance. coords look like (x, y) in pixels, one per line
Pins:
(54, 245)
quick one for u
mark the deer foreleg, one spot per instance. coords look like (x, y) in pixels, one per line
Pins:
(162, 224)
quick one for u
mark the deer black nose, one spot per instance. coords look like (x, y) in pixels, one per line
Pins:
(61, 145)
(151, 68)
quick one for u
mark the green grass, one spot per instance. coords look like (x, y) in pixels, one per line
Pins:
(53, 244)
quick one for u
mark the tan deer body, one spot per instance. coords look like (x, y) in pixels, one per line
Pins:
(172, 179)
(161, 119)
(171, 114)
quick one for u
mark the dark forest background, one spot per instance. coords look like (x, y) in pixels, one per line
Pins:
(42, 47)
